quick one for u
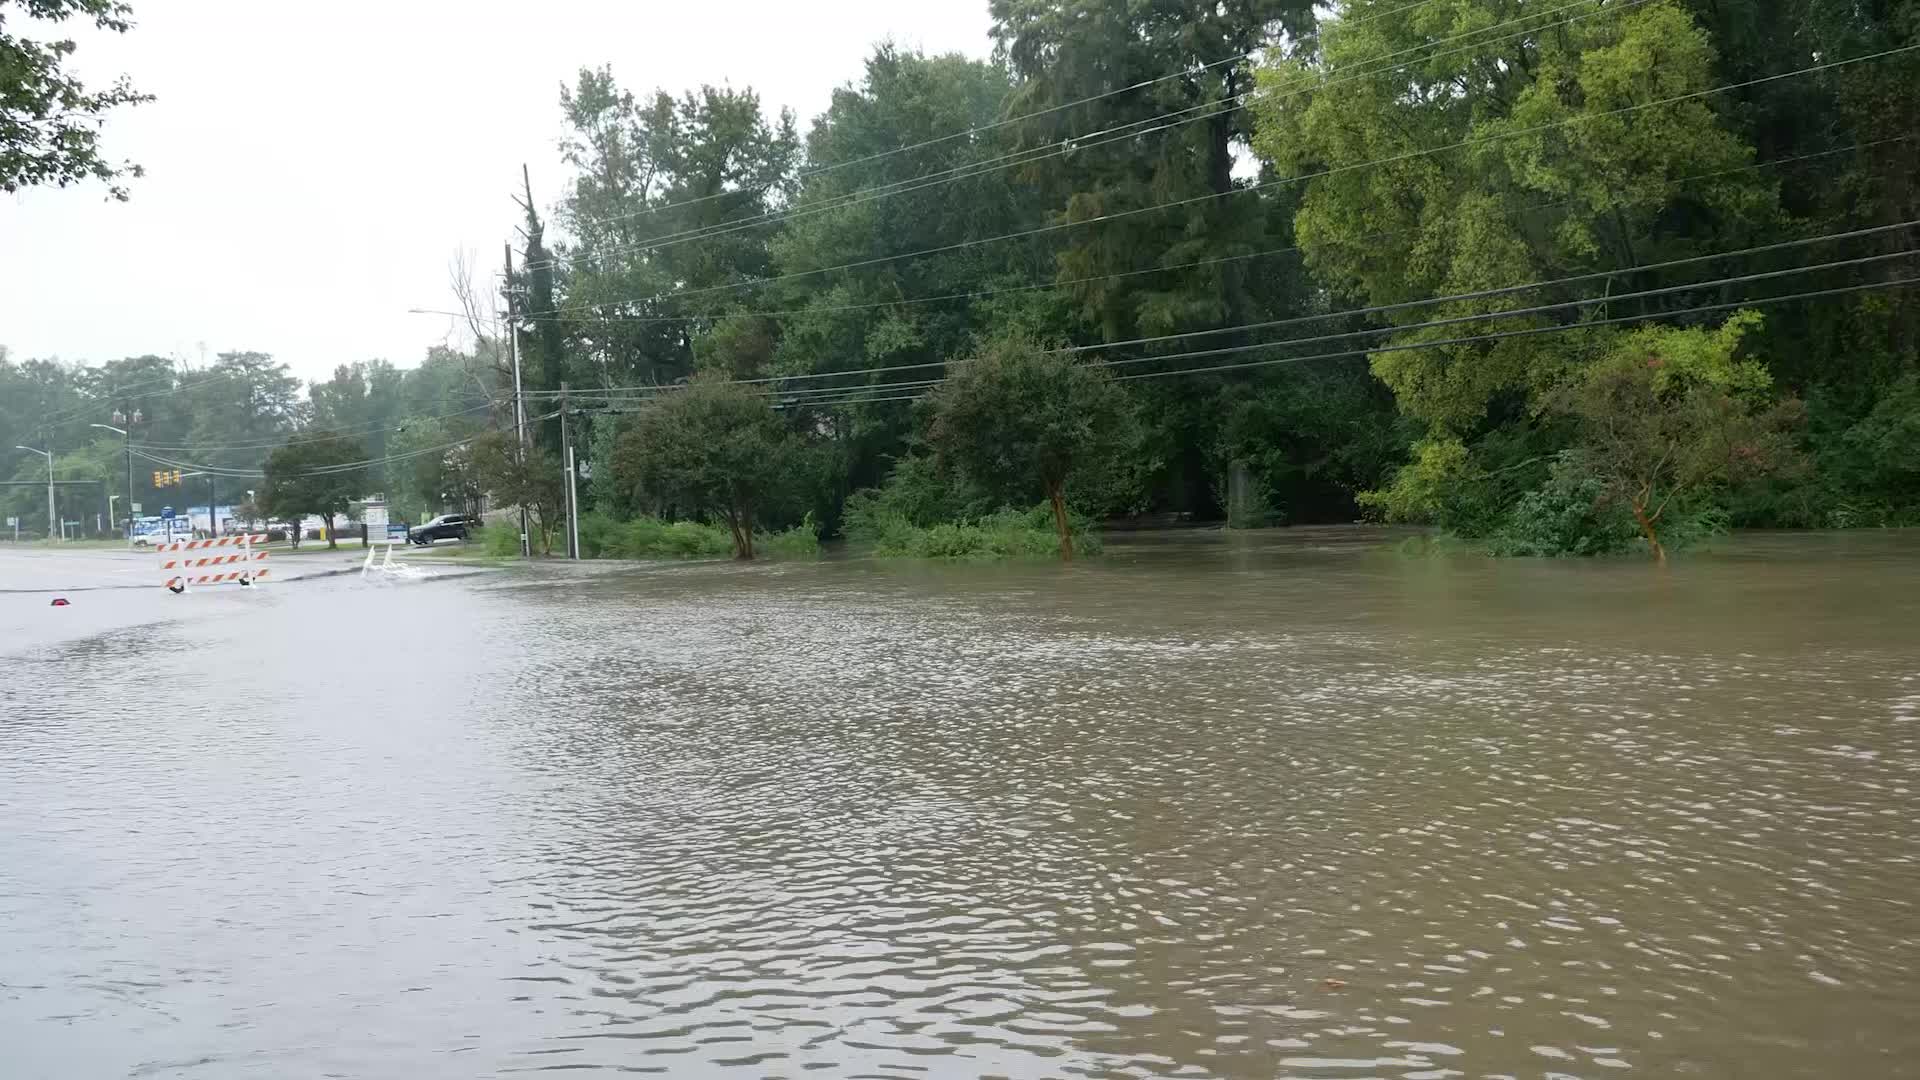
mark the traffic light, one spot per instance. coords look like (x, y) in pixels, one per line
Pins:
(176, 478)
(159, 479)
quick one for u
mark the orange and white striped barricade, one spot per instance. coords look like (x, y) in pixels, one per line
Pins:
(225, 560)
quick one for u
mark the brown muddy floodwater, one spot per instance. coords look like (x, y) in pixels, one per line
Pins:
(1289, 805)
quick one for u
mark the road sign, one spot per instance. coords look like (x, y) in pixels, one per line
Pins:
(166, 513)
(136, 508)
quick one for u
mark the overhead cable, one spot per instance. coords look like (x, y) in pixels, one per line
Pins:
(1087, 141)
(1377, 309)
(1186, 72)
(975, 294)
(1330, 171)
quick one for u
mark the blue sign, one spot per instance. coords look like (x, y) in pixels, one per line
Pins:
(396, 532)
(166, 513)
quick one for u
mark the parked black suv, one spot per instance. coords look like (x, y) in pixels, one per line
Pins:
(444, 527)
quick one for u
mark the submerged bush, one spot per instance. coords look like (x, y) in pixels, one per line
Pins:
(605, 537)
(801, 540)
(1573, 514)
(1007, 534)
(1568, 515)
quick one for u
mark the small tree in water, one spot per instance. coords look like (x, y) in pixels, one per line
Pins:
(1669, 414)
(1017, 417)
(713, 447)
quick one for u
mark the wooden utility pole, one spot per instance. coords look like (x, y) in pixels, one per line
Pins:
(567, 494)
(519, 396)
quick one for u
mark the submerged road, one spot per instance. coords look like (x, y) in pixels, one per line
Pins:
(1287, 805)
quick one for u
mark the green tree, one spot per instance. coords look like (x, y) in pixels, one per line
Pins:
(1497, 160)
(1667, 414)
(862, 198)
(712, 448)
(435, 471)
(49, 120)
(651, 175)
(1018, 420)
(363, 398)
(1173, 240)
(531, 479)
(316, 472)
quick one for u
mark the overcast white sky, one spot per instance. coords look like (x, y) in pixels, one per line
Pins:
(311, 170)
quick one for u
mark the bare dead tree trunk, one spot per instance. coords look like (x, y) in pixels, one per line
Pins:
(1057, 495)
(1647, 530)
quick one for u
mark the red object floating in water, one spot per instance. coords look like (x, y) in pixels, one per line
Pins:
(61, 601)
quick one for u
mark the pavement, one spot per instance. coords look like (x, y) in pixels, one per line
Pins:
(113, 594)
(50, 568)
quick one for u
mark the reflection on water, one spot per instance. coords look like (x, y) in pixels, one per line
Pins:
(1288, 805)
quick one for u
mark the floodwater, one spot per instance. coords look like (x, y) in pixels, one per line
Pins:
(1290, 805)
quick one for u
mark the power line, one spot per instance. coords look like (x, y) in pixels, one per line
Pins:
(330, 435)
(1080, 144)
(1893, 283)
(974, 294)
(1122, 214)
(1480, 294)
(1183, 73)
(338, 467)
(1508, 290)
(1475, 339)
(854, 394)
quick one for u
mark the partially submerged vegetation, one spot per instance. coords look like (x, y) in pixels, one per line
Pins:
(1004, 534)
(1593, 286)
(604, 537)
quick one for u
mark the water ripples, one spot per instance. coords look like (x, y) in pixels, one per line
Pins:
(1116, 821)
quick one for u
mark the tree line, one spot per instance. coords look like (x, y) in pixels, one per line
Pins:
(1292, 271)
(1573, 279)
(244, 432)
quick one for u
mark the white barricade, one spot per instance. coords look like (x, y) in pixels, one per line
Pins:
(225, 560)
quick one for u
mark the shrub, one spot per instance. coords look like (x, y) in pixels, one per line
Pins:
(605, 537)
(499, 541)
(1569, 515)
(1573, 514)
(1007, 534)
(801, 540)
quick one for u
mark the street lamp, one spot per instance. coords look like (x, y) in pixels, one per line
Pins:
(129, 435)
(128, 418)
(53, 516)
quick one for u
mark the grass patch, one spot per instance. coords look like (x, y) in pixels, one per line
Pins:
(497, 541)
(604, 537)
(800, 542)
(1008, 534)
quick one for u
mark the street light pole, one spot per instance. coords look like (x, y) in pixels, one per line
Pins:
(128, 419)
(53, 516)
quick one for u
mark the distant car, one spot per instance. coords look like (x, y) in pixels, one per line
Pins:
(444, 527)
(155, 535)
